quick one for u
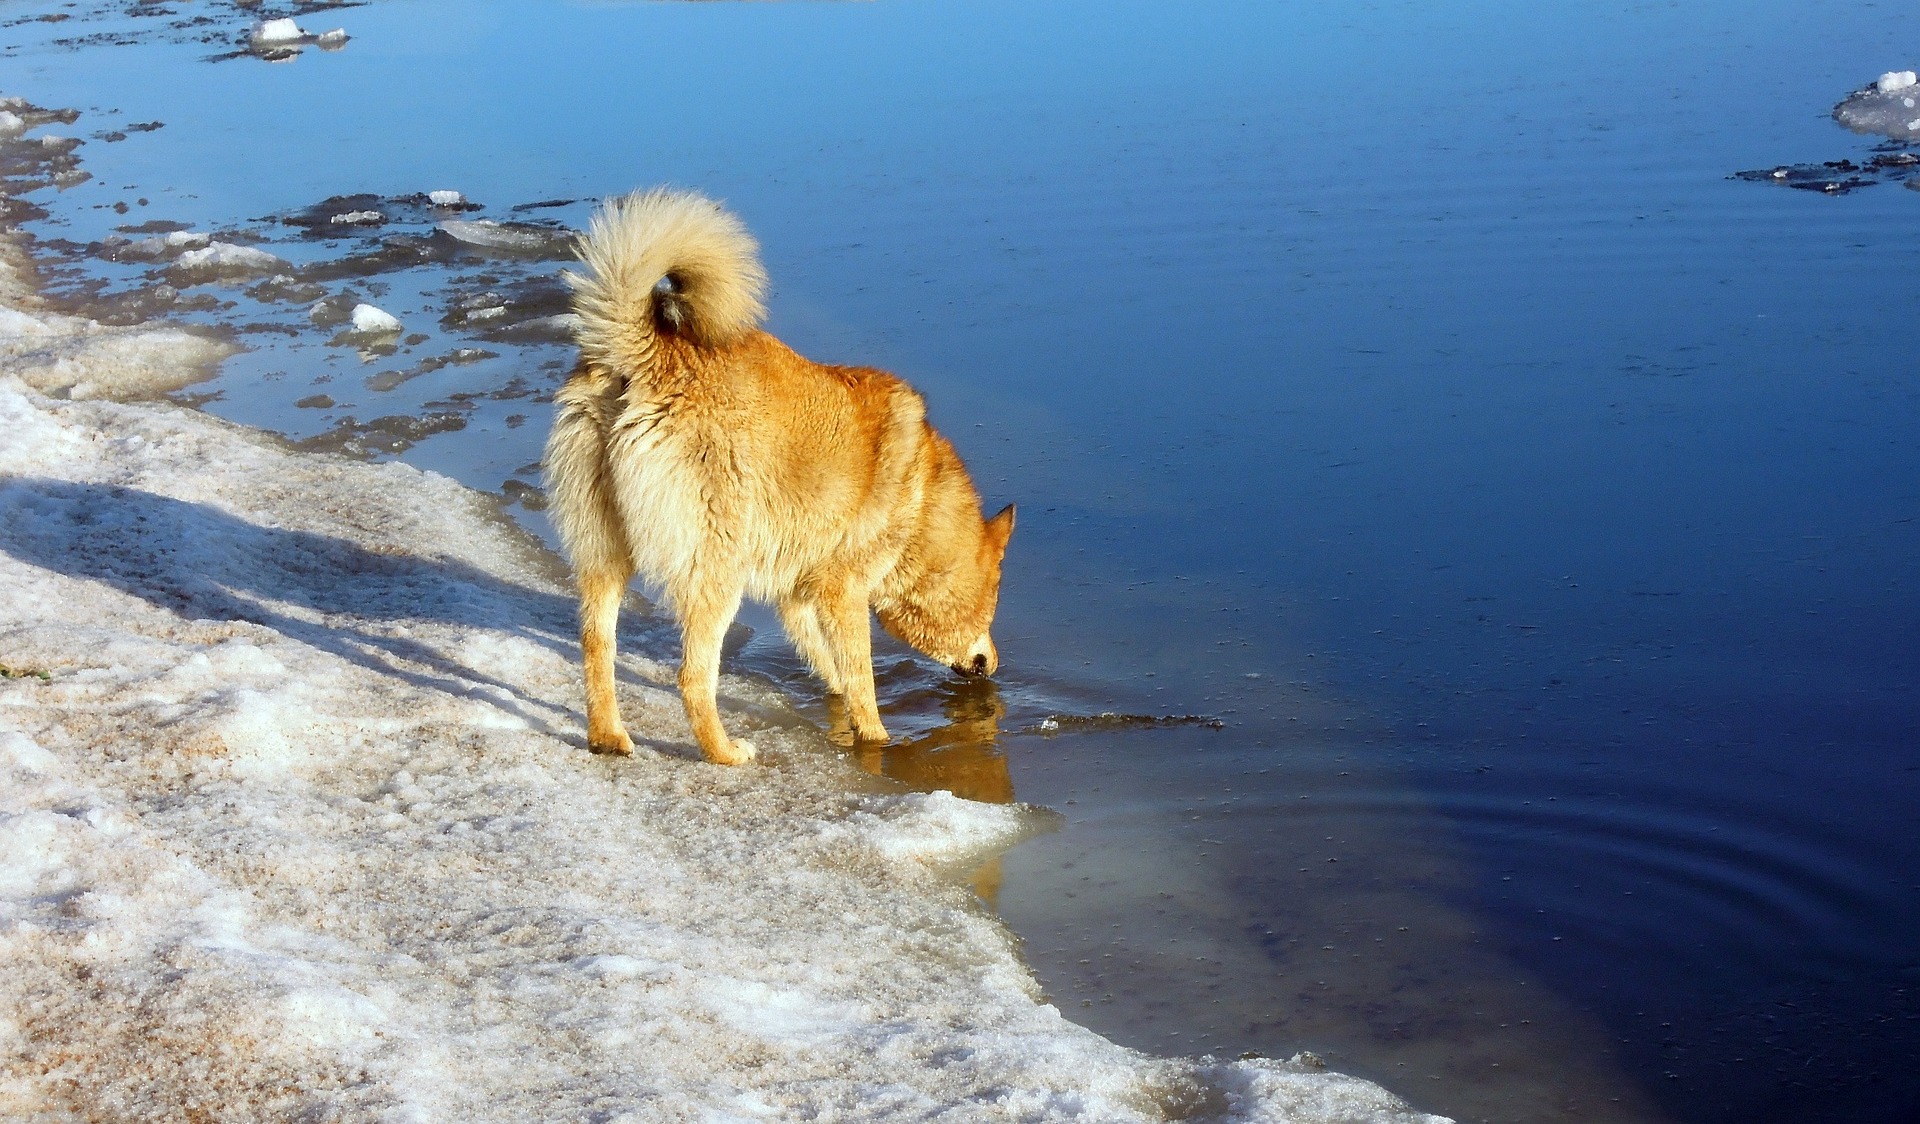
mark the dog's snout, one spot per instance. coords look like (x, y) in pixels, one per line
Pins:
(977, 667)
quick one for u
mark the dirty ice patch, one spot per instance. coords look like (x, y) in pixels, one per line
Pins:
(74, 358)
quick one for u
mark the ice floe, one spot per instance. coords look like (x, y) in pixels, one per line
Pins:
(277, 31)
(514, 237)
(1888, 107)
(225, 259)
(280, 39)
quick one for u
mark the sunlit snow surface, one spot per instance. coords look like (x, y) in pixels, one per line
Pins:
(295, 823)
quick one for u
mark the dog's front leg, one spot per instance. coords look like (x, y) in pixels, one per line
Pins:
(600, 594)
(704, 618)
(850, 635)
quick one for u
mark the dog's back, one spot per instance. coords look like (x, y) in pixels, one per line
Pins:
(705, 454)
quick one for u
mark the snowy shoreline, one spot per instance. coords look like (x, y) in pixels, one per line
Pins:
(296, 820)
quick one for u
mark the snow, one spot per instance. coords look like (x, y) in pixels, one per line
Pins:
(300, 825)
(367, 318)
(1895, 80)
(332, 40)
(445, 198)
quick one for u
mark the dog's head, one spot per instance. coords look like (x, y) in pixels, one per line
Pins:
(950, 586)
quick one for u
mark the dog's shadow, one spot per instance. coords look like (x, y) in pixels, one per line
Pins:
(202, 563)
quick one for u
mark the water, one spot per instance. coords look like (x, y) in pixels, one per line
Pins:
(1406, 386)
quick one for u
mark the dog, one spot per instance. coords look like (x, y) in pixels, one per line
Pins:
(695, 449)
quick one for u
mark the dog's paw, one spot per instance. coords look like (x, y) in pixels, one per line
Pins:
(739, 753)
(617, 744)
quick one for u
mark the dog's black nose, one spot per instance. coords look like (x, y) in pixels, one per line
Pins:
(979, 665)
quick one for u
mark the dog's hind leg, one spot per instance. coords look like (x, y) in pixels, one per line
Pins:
(849, 635)
(704, 618)
(601, 590)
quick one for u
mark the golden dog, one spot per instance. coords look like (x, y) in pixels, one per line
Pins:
(699, 451)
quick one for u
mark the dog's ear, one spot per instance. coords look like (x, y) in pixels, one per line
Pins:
(1000, 529)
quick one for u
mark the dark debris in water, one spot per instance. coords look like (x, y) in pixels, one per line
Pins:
(346, 215)
(524, 494)
(290, 281)
(221, 23)
(529, 309)
(386, 436)
(1087, 723)
(30, 162)
(1838, 177)
(459, 356)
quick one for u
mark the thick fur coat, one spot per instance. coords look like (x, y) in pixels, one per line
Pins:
(701, 453)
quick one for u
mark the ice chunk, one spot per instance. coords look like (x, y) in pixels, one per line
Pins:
(518, 237)
(284, 30)
(11, 124)
(227, 258)
(359, 218)
(371, 320)
(1883, 108)
(445, 198)
(157, 247)
(332, 40)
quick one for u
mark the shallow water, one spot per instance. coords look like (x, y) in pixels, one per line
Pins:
(1408, 387)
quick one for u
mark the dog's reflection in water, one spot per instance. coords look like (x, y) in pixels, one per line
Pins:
(962, 756)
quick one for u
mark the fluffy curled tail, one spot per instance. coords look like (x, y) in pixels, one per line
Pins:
(662, 262)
